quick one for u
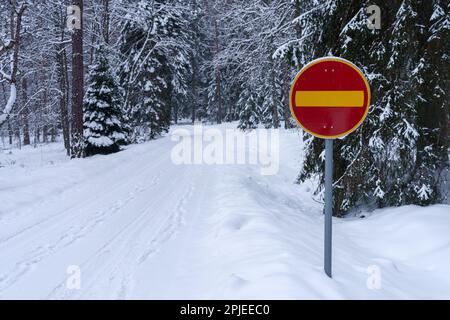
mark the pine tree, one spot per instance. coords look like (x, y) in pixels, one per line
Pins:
(250, 113)
(273, 91)
(430, 78)
(191, 105)
(155, 42)
(102, 117)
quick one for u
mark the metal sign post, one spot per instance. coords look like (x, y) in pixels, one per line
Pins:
(328, 204)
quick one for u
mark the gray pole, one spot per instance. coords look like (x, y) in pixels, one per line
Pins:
(328, 203)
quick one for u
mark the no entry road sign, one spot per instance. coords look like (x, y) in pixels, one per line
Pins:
(330, 97)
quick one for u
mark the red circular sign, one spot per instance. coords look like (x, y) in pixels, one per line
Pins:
(330, 97)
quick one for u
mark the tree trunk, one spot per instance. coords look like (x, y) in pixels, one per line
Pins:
(43, 115)
(194, 94)
(275, 117)
(299, 31)
(10, 134)
(94, 41)
(37, 136)
(106, 20)
(77, 87)
(287, 109)
(194, 89)
(25, 113)
(175, 112)
(19, 138)
(218, 79)
(53, 133)
(63, 81)
(61, 58)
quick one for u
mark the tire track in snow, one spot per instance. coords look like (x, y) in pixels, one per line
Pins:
(109, 261)
(90, 198)
(101, 255)
(166, 232)
(69, 236)
(169, 229)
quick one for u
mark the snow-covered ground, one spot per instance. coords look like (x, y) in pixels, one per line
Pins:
(135, 225)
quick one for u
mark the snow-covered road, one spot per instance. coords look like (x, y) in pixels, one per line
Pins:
(135, 225)
(110, 217)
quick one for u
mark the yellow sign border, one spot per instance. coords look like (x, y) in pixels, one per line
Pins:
(335, 59)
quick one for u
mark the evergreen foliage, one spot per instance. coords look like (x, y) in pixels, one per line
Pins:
(102, 115)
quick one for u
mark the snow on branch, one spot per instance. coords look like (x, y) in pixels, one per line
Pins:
(6, 46)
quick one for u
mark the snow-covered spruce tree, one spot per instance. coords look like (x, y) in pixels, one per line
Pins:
(192, 105)
(213, 91)
(102, 118)
(156, 50)
(397, 155)
(273, 91)
(250, 111)
(430, 79)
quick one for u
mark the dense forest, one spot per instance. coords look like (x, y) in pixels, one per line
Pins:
(128, 69)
